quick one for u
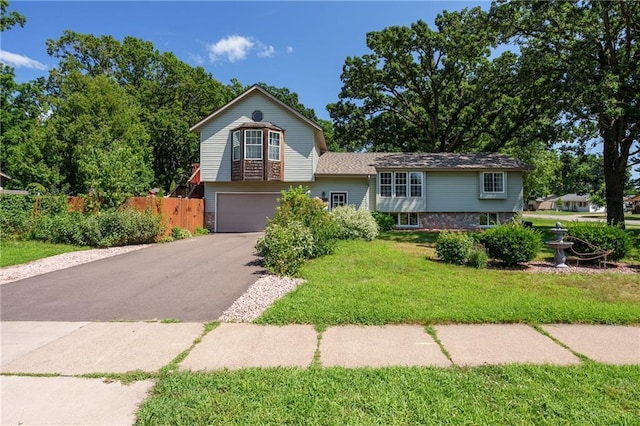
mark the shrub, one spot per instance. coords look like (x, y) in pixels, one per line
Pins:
(354, 224)
(453, 247)
(602, 236)
(511, 243)
(296, 205)
(385, 221)
(478, 257)
(179, 233)
(201, 231)
(129, 227)
(15, 211)
(285, 247)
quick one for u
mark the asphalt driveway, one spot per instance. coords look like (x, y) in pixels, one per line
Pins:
(188, 280)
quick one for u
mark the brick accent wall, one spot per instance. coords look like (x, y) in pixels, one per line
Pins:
(210, 221)
(457, 220)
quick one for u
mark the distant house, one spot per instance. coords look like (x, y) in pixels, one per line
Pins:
(567, 202)
(635, 203)
(256, 146)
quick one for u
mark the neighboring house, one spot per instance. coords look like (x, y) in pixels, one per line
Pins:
(634, 203)
(256, 146)
(194, 188)
(569, 203)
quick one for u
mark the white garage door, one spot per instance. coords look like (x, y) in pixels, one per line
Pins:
(240, 212)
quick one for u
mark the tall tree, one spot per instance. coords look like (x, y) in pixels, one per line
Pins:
(9, 19)
(172, 95)
(103, 146)
(588, 52)
(435, 90)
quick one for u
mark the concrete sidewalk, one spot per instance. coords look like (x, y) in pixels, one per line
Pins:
(70, 350)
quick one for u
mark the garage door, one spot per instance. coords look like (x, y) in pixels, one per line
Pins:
(238, 212)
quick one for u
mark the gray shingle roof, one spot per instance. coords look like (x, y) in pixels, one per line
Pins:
(349, 163)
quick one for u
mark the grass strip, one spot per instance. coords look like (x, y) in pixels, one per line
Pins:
(515, 394)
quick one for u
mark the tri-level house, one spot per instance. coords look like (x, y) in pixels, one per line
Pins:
(256, 146)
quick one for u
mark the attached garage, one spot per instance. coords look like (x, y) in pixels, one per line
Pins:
(244, 212)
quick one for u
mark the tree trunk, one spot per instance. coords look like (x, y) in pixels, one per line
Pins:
(615, 166)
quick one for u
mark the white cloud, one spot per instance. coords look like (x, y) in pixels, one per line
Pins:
(19, 61)
(266, 51)
(289, 50)
(196, 59)
(234, 48)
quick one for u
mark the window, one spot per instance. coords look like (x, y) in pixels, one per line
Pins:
(274, 146)
(488, 219)
(406, 219)
(236, 145)
(385, 184)
(400, 186)
(493, 182)
(253, 144)
(338, 199)
(415, 184)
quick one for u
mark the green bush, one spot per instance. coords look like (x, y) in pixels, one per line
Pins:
(478, 257)
(296, 205)
(453, 247)
(354, 224)
(511, 243)
(602, 236)
(285, 247)
(201, 231)
(179, 233)
(15, 212)
(108, 229)
(385, 221)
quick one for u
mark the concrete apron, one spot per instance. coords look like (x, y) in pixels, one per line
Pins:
(72, 349)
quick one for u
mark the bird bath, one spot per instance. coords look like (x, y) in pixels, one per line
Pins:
(559, 246)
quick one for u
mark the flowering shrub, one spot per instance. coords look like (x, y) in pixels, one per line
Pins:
(285, 247)
(354, 224)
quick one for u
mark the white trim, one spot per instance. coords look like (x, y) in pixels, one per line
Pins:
(346, 197)
(269, 145)
(261, 144)
(215, 211)
(397, 214)
(504, 183)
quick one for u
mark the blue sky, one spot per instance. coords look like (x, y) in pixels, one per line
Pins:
(299, 45)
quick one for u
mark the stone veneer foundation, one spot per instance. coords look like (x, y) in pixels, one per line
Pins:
(456, 220)
(210, 221)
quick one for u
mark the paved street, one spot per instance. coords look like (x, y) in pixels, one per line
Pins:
(188, 280)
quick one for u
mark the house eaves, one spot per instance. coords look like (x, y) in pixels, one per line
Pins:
(318, 132)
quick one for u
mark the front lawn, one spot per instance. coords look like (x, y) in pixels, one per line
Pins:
(17, 252)
(384, 282)
(592, 394)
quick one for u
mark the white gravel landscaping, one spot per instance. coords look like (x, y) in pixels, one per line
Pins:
(60, 261)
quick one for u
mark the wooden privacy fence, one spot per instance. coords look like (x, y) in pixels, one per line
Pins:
(186, 213)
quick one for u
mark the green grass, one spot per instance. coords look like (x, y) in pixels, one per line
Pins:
(17, 252)
(383, 282)
(587, 394)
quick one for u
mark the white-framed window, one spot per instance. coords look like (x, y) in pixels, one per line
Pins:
(400, 184)
(415, 184)
(338, 199)
(493, 182)
(406, 220)
(274, 146)
(253, 144)
(386, 184)
(489, 219)
(235, 137)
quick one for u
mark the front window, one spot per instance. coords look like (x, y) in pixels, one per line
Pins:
(493, 182)
(338, 199)
(488, 219)
(401, 184)
(385, 184)
(274, 146)
(236, 145)
(253, 144)
(415, 184)
(406, 219)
